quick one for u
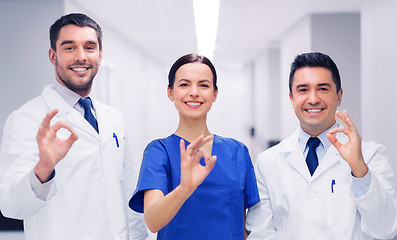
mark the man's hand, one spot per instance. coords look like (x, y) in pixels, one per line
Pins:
(51, 148)
(350, 151)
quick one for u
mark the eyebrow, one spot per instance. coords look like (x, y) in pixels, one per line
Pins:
(70, 42)
(324, 84)
(66, 42)
(318, 85)
(187, 80)
(92, 42)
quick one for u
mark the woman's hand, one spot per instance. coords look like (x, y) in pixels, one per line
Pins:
(159, 210)
(192, 172)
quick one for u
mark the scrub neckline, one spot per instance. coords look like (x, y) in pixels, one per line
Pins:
(213, 141)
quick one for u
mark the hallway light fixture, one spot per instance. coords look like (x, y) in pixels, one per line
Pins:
(206, 15)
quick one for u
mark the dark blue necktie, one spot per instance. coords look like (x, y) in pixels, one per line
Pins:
(311, 159)
(86, 104)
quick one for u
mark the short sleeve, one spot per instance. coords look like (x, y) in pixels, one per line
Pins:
(154, 174)
(251, 195)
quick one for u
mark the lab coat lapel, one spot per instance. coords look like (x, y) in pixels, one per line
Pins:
(102, 113)
(330, 158)
(54, 100)
(294, 156)
(66, 112)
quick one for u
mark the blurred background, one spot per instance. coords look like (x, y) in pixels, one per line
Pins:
(252, 46)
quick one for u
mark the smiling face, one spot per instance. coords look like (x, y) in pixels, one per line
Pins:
(193, 92)
(314, 99)
(77, 58)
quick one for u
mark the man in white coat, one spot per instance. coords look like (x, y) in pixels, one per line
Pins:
(69, 175)
(337, 188)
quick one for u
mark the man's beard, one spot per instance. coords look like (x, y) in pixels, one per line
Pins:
(72, 86)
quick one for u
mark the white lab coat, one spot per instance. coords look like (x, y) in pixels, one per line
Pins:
(89, 194)
(295, 205)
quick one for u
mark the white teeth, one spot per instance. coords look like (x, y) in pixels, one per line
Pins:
(193, 103)
(314, 110)
(79, 69)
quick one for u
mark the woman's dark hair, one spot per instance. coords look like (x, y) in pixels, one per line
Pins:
(190, 58)
(77, 19)
(315, 59)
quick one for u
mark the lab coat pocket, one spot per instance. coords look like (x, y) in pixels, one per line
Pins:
(237, 211)
(121, 165)
(121, 173)
(341, 210)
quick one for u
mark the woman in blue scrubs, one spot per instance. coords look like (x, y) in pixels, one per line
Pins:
(194, 184)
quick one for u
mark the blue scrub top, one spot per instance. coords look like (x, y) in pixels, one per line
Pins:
(216, 209)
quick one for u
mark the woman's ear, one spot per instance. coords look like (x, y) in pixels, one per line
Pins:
(215, 95)
(170, 94)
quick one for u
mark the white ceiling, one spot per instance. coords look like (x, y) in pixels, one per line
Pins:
(165, 28)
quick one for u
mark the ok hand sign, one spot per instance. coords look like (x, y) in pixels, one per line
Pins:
(350, 151)
(51, 148)
(192, 172)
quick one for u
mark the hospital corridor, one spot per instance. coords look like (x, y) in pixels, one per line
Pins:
(251, 44)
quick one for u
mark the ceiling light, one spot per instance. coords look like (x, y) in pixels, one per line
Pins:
(206, 14)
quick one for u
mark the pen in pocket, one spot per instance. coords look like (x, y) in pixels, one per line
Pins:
(332, 185)
(115, 138)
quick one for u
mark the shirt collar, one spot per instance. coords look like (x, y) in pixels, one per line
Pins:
(68, 95)
(303, 137)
